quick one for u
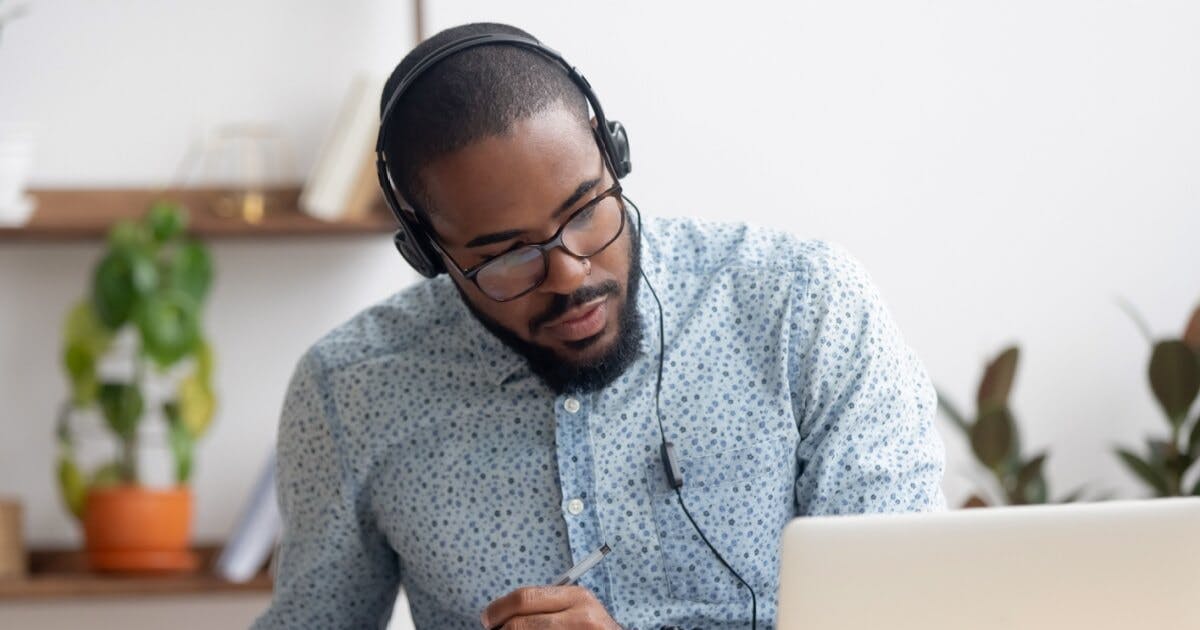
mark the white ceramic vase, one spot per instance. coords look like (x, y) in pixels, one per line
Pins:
(16, 162)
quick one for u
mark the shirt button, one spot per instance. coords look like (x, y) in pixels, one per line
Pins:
(571, 405)
(575, 507)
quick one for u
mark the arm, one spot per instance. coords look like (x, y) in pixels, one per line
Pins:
(335, 569)
(863, 401)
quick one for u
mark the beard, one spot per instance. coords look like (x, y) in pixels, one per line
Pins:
(562, 375)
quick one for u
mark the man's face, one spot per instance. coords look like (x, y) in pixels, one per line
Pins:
(519, 188)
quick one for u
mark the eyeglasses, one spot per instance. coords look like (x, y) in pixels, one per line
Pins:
(584, 234)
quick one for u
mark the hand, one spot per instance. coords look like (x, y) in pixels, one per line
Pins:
(533, 607)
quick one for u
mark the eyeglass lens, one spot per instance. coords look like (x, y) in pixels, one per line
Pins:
(586, 234)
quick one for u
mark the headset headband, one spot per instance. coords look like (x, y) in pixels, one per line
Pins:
(411, 238)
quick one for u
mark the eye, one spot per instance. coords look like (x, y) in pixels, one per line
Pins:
(586, 215)
(487, 258)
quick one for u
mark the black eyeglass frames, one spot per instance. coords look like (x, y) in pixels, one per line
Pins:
(587, 232)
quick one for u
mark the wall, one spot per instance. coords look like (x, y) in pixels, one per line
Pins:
(119, 90)
(1004, 169)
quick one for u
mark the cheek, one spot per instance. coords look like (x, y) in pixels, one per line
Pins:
(615, 259)
(514, 315)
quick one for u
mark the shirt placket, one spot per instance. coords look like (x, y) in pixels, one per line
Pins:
(576, 478)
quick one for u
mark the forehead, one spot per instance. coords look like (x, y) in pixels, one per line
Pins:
(511, 181)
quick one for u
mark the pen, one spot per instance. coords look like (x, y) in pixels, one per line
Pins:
(585, 565)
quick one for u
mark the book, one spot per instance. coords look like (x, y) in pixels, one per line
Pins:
(256, 532)
(365, 194)
(335, 186)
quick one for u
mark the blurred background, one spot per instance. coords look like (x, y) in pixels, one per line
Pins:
(1007, 171)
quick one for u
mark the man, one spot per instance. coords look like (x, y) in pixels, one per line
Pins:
(475, 435)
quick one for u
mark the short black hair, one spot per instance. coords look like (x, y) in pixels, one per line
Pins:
(479, 92)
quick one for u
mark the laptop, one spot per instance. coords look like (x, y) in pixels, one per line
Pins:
(1119, 564)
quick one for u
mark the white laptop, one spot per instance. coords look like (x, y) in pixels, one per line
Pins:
(1120, 564)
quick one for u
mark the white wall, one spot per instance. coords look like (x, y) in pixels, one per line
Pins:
(119, 90)
(1005, 169)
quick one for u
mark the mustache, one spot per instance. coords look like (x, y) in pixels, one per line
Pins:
(563, 303)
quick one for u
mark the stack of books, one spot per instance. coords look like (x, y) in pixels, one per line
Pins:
(342, 184)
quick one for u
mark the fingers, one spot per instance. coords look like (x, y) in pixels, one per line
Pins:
(532, 600)
(573, 618)
(535, 622)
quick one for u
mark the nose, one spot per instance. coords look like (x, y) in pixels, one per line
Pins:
(564, 273)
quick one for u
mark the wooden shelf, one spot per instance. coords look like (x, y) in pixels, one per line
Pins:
(63, 574)
(86, 214)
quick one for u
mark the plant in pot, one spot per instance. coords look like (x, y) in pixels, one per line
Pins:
(1015, 479)
(142, 315)
(1168, 465)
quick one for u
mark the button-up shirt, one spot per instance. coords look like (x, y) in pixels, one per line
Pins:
(416, 450)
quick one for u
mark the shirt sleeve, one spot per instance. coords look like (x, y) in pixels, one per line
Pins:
(864, 403)
(335, 568)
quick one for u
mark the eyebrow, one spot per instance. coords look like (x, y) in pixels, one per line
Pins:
(500, 237)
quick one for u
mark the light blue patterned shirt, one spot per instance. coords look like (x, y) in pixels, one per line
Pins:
(417, 450)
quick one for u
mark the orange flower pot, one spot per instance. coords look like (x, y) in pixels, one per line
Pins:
(136, 529)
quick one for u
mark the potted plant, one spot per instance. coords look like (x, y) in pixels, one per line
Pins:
(143, 315)
(1174, 374)
(995, 442)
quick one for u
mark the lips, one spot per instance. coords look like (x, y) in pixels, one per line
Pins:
(581, 322)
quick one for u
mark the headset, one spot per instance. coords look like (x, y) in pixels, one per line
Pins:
(412, 239)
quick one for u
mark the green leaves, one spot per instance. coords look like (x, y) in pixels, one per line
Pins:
(123, 276)
(126, 234)
(997, 381)
(1193, 446)
(190, 271)
(204, 361)
(86, 339)
(181, 440)
(196, 405)
(1174, 373)
(166, 220)
(154, 280)
(992, 436)
(110, 474)
(149, 274)
(1191, 333)
(169, 323)
(1030, 484)
(1174, 378)
(71, 486)
(1148, 473)
(953, 413)
(122, 407)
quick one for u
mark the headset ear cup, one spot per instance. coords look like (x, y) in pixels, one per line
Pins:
(618, 140)
(418, 253)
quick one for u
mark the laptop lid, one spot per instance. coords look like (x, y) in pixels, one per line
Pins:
(1120, 564)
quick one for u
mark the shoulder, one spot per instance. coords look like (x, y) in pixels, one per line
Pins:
(711, 246)
(404, 324)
